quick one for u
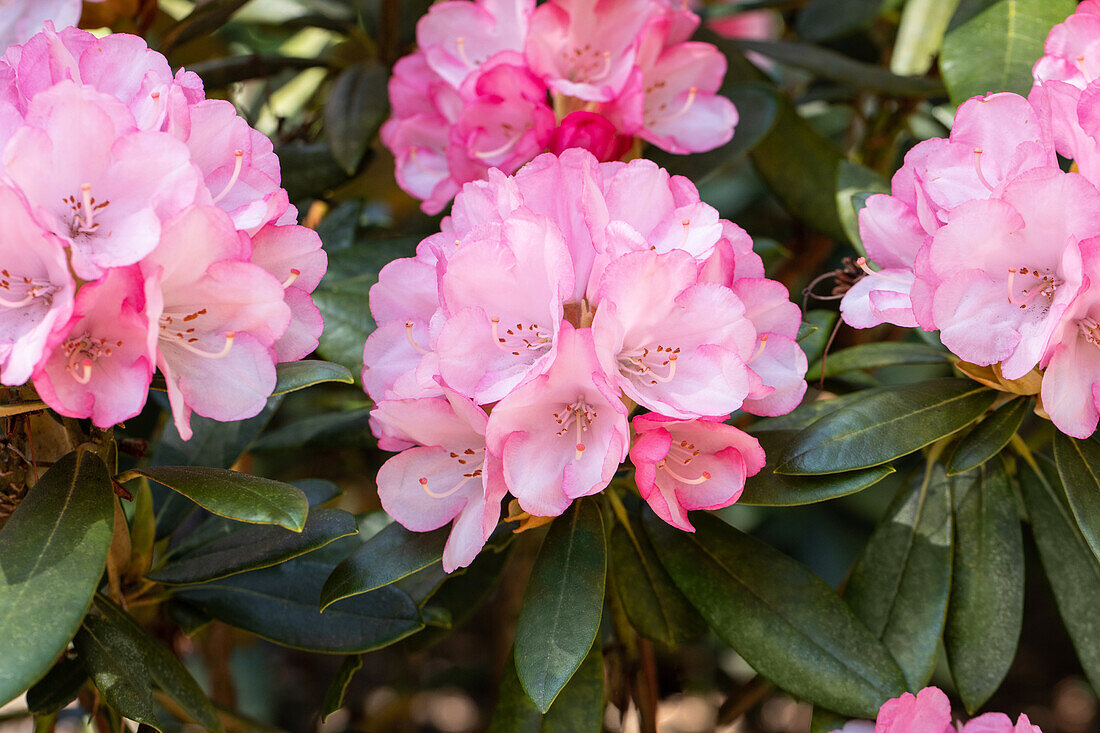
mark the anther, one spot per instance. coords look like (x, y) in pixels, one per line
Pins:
(238, 161)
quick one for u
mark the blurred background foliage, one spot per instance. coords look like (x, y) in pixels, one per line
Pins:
(827, 111)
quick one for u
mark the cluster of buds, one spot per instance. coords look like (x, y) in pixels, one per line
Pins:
(495, 82)
(145, 228)
(512, 350)
(985, 239)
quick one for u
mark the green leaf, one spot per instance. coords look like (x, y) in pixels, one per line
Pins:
(768, 488)
(117, 668)
(1079, 466)
(655, 606)
(355, 108)
(309, 170)
(826, 721)
(579, 708)
(338, 688)
(53, 550)
(325, 428)
(821, 20)
(810, 412)
(388, 556)
(59, 687)
(318, 490)
(987, 586)
(989, 437)
(219, 73)
(886, 425)
(837, 67)
(786, 622)
(254, 547)
(814, 342)
(873, 356)
(995, 50)
(1071, 567)
(563, 603)
(232, 494)
(854, 183)
(295, 375)
(280, 604)
(205, 18)
(159, 664)
(900, 584)
(920, 35)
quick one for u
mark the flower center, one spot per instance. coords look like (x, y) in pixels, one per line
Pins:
(82, 352)
(1090, 329)
(655, 363)
(586, 64)
(18, 292)
(660, 113)
(470, 461)
(84, 211)
(680, 455)
(185, 330)
(521, 338)
(576, 418)
(1042, 282)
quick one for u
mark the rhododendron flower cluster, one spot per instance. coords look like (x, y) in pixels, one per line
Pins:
(495, 82)
(929, 711)
(512, 350)
(987, 240)
(145, 229)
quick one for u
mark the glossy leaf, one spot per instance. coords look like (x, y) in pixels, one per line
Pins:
(873, 356)
(281, 603)
(355, 108)
(205, 18)
(655, 606)
(987, 585)
(253, 547)
(579, 709)
(53, 550)
(1079, 467)
(988, 437)
(821, 20)
(117, 668)
(160, 664)
(901, 582)
(295, 375)
(309, 170)
(338, 688)
(808, 413)
(886, 425)
(1069, 562)
(995, 50)
(563, 603)
(814, 342)
(388, 556)
(59, 687)
(234, 495)
(768, 488)
(326, 428)
(786, 622)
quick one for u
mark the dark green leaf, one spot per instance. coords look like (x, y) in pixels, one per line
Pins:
(58, 688)
(338, 688)
(190, 619)
(653, 603)
(309, 170)
(355, 108)
(886, 425)
(281, 603)
(810, 412)
(873, 356)
(837, 67)
(768, 488)
(563, 603)
(814, 342)
(159, 664)
(388, 556)
(900, 584)
(989, 436)
(296, 375)
(233, 494)
(316, 428)
(52, 553)
(995, 50)
(117, 667)
(205, 18)
(854, 183)
(784, 620)
(219, 73)
(987, 586)
(1071, 566)
(579, 708)
(824, 19)
(1079, 466)
(318, 490)
(254, 547)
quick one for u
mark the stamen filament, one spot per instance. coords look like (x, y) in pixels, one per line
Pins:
(290, 280)
(671, 370)
(238, 161)
(862, 264)
(759, 349)
(663, 465)
(31, 295)
(85, 375)
(580, 450)
(409, 337)
(229, 336)
(486, 154)
(978, 168)
(692, 92)
(442, 494)
(460, 42)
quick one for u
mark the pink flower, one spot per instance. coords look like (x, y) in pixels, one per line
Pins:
(691, 464)
(36, 289)
(1072, 49)
(217, 317)
(447, 476)
(751, 24)
(21, 19)
(456, 37)
(101, 366)
(591, 131)
(562, 435)
(930, 712)
(294, 256)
